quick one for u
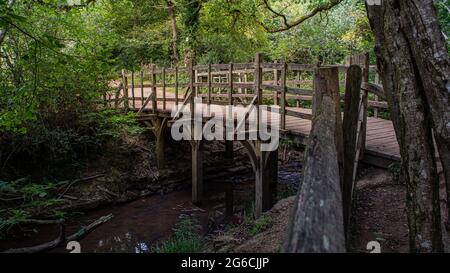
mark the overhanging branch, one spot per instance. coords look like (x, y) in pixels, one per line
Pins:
(288, 25)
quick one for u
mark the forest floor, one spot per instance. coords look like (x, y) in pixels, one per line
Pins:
(379, 214)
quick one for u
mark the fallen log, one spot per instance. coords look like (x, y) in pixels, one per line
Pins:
(62, 239)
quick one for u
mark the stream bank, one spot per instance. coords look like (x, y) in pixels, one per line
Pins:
(147, 204)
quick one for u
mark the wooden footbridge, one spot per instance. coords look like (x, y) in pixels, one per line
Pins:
(297, 89)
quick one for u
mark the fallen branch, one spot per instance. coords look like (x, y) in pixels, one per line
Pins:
(79, 180)
(62, 237)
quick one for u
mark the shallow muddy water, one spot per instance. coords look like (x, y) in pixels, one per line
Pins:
(140, 225)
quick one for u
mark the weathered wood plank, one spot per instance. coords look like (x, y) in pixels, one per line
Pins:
(350, 127)
(317, 224)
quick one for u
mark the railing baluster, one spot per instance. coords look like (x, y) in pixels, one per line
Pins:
(283, 97)
(164, 87)
(176, 85)
(230, 83)
(132, 89)
(142, 86)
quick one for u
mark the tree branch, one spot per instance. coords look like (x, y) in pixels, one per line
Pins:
(288, 25)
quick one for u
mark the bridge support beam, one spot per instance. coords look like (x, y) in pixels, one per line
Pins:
(265, 166)
(159, 129)
(197, 172)
(229, 149)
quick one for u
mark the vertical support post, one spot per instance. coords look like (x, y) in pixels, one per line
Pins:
(326, 81)
(230, 84)
(176, 85)
(229, 149)
(160, 126)
(192, 88)
(365, 78)
(132, 90)
(377, 81)
(142, 87)
(275, 82)
(209, 85)
(164, 87)
(125, 90)
(283, 97)
(262, 182)
(257, 85)
(154, 90)
(197, 172)
(350, 127)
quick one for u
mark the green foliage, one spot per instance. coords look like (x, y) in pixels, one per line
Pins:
(34, 196)
(444, 16)
(184, 240)
(260, 225)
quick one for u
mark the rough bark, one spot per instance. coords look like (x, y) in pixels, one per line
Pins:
(429, 48)
(404, 90)
(173, 25)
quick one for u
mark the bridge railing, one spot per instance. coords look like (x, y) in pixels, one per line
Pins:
(288, 85)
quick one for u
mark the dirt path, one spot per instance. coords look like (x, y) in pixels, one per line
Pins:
(379, 213)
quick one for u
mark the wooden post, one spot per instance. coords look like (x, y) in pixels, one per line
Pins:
(263, 175)
(197, 172)
(159, 129)
(209, 84)
(275, 82)
(176, 85)
(230, 83)
(132, 90)
(262, 182)
(164, 87)
(154, 90)
(192, 88)
(365, 79)
(326, 81)
(257, 86)
(125, 90)
(142, 86)
(350, 127)
(229, 149)
(377, 81)
(316, 224)
(283, 97)
(258, 78)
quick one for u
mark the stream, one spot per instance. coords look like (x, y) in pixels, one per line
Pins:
(140, 225)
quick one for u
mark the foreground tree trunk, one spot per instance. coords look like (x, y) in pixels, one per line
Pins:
(429, 47)
(404, 86)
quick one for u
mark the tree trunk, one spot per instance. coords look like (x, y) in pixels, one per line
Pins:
(404, 89)
(190, 15)
(5, 29)
(429, 48)
(173, 22)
